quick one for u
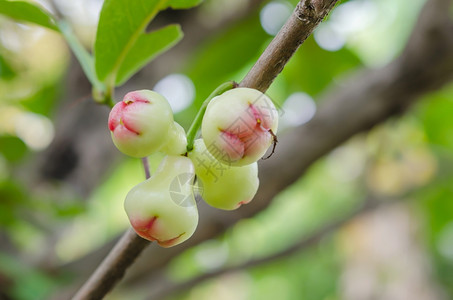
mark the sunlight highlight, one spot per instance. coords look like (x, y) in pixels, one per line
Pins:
(178, 89)
(298, 109)
(274, 15)
(35, 130)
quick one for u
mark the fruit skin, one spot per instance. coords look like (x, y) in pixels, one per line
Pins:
(176, 141)
(236, 126)
(154, 213)
(224, 187)
(140, 123)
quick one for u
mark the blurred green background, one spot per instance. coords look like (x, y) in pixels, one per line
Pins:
(398, 251)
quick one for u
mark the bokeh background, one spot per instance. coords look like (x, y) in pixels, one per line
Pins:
(62, 182)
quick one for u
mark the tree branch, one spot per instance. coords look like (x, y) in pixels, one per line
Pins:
(304, 19)
(113, 267)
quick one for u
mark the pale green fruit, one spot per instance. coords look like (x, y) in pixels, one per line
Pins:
(223, 186)
(140, 123)
(239, 126)
(176, 141)
(163, 207)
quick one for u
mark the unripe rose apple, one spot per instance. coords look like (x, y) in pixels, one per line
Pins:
(139, 124)
(224, 187)
(239, 126)
(176, 141)
(163, 207)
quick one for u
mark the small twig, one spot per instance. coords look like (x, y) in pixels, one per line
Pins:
(146, 167)
(274, 144)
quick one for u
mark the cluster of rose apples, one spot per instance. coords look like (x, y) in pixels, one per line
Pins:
(237, 129)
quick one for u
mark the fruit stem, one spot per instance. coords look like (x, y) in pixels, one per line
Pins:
(193, 130)
(146, 167)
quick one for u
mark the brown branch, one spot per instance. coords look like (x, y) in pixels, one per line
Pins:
(307, 15)
(113, 267)
(304, 19)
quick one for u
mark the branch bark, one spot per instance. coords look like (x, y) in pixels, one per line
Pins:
(306, 16)
(113, 267)
(304, 19)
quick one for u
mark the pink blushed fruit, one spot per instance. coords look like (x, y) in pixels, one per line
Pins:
(224, 187)
(239, 126)
(163, 207)
(140, 123)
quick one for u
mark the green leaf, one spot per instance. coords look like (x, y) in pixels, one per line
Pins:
(122, 46)
(146, 48)
(181, 4)
(121, 24)
(25, 11)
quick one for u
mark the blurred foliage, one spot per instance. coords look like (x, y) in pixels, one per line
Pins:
(27, 282)
(6, 71)
(26, 11)
(409, 157)
(13, 198)
(12, 148)
(435, 205)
